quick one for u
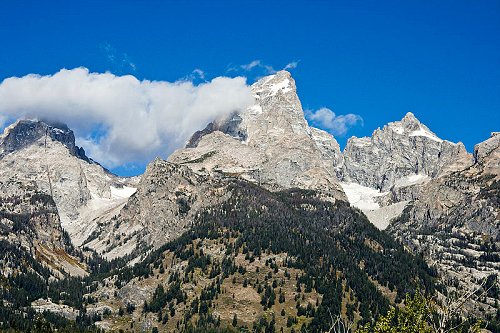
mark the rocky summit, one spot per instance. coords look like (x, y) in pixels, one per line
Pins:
(400, 149)
(260, 223)
(269, 144)
(46, 155)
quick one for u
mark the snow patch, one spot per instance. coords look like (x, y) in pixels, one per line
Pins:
(284, 86)
(255, 109)
(122, 193)
(423, 132)
(360, 196)
(58, 130)
(361, 142)
(398, 129)
(363, 197)
(97, 209)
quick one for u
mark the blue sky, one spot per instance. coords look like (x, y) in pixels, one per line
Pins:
(376, 59)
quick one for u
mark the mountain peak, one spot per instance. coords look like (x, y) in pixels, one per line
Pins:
(273, 85)
(25, 132)
(400, 149)
(270, 143)
(488, 151)
(411, 126)
(410, 118)
(278, 76)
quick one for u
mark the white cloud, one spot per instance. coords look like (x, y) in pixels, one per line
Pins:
(257, 64)
(199, 73)
(3, 119)
(120, 62)
(327, 119)
(251, 65)
(135, 120)
(291, 65)
(263, 68)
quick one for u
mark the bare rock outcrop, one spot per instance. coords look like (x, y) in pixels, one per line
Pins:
(46, 154)
(398, 150)
(168, 198)
(455, 222)
(269, 144)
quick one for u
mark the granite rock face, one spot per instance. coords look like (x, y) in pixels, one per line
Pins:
(382, 173)
(455, 221)
(398, 150)
(328, 146)
(168, 198)
(30, 228)
(487, 153)
(269, 144)
(46, 154)
(26, 132)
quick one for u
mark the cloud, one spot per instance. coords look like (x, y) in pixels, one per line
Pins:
(291, 65)
(251, 65)
(119, 119)
(199, 73)
(261, 68)
(327, 119)
(120, 62)
(257, 64)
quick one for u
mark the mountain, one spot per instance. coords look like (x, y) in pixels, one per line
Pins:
(168, 198)
(436, 198)
(269, 144)
(31, 229)
(45, 154)
(25, 132)
(190, 237)
(455, 223)
(260, 223)
(51, 195)
(328, 258)
(37, 257)
(400, 149)
(382, 173)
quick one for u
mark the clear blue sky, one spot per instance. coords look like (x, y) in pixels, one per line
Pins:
(378, 59)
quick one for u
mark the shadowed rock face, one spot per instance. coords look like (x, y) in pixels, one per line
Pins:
(269, 144)
(26, 132)
(230, 126)
(29, 223)
(398, 150)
